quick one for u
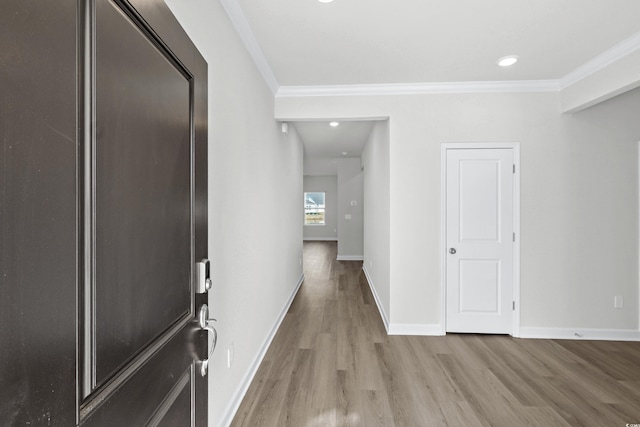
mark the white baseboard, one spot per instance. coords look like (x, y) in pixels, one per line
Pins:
(580, 334)
(425, 329)
(241, 390)
(320, 239)
(401, 328)
(383, 314)
(350, 258)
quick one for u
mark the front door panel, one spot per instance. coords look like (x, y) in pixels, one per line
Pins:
(103, 210)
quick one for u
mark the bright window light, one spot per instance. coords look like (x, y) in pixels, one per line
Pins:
(314, 208)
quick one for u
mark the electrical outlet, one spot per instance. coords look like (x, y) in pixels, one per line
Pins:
(618, 301)
(230, 356)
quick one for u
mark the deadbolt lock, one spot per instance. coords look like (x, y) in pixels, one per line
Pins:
(203, 276)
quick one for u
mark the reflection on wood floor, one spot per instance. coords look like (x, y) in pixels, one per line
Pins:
(332, 364)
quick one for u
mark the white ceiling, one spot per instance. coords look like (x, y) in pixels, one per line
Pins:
(322, 140)
(305, 43)
(346, 42)
(323, 143)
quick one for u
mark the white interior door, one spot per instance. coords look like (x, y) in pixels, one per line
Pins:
(479, 238)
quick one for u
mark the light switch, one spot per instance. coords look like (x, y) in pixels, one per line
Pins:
(347, 216)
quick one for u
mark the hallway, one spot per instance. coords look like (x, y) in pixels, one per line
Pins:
(332, 364)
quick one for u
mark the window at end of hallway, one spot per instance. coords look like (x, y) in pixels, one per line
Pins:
(314, 208)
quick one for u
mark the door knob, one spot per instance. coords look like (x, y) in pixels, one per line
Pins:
(452, 251)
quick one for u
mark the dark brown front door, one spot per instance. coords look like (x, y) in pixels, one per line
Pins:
(122, 279)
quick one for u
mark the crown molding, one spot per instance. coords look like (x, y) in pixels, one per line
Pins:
(240, 23)
(616, 53)
(421, 88)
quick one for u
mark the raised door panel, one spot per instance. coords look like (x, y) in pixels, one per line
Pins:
(143, 252)
(151, 393)
(479, 200)
(479, 287)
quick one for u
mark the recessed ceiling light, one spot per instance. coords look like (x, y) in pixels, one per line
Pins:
(507, 61)
(334, 124)
(325, 1)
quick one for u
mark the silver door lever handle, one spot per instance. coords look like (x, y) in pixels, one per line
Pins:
(205, 324)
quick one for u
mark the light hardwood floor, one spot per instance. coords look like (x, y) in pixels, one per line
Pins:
(332, 364)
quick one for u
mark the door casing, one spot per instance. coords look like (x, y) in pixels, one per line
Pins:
(443, 225)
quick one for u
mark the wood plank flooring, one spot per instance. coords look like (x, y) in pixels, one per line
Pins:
(332, 364)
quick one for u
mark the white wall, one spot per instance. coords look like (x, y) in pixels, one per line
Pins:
(579, 199)
(320, 166)
(350, 226)
(328, 185)
(255, 267)
(375, 159)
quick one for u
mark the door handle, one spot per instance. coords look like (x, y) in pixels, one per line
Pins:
(204, 323)
(452, 251)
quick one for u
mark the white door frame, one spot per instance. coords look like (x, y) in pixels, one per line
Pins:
(515, 146)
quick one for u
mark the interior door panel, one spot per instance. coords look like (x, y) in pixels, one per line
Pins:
(479, 263)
